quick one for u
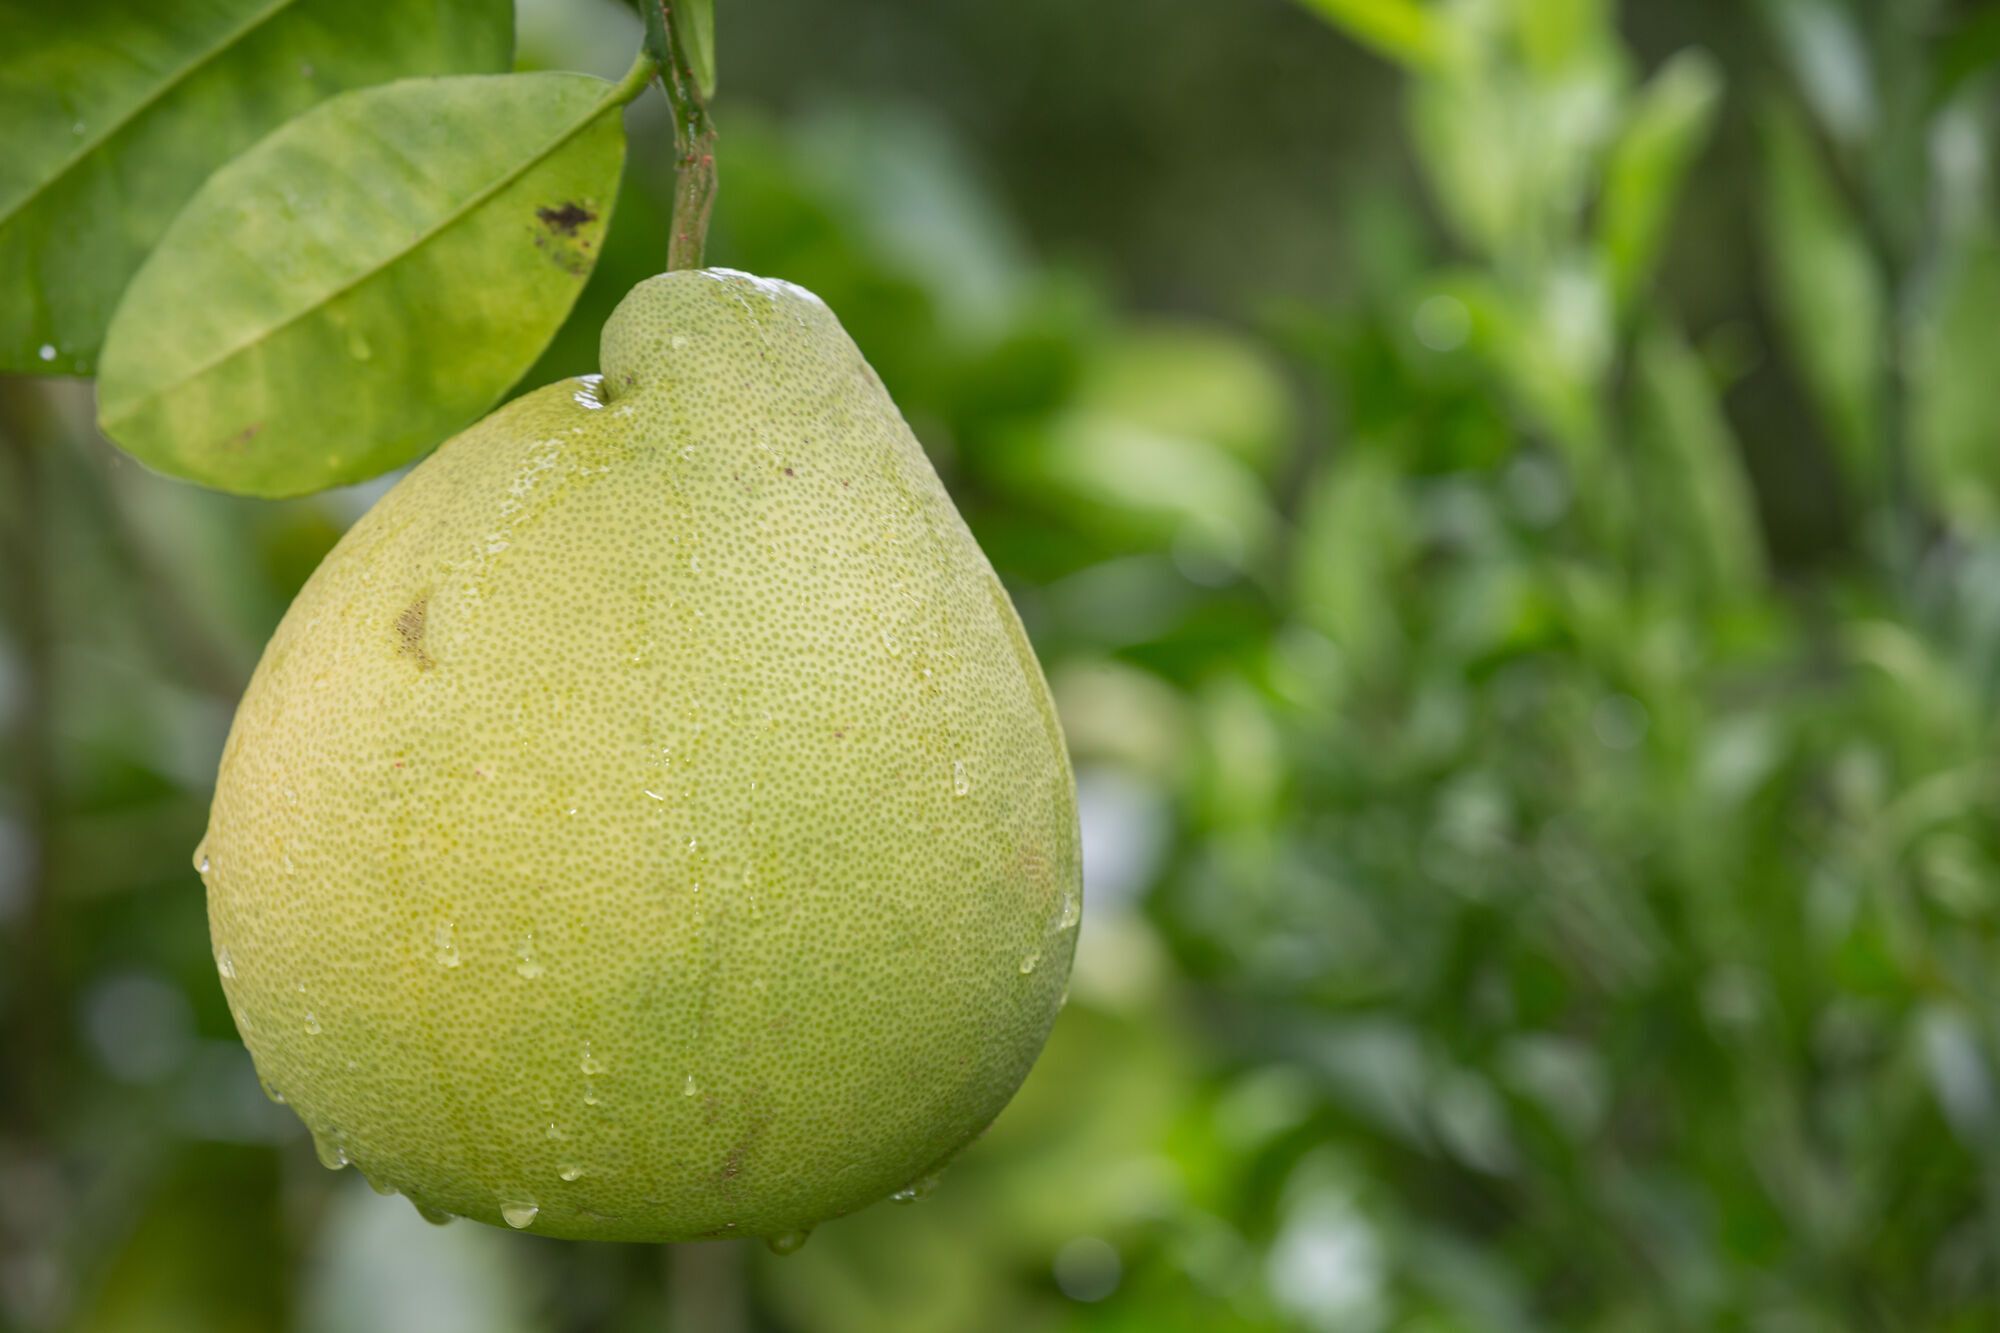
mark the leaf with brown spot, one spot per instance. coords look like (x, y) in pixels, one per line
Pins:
(366, 281)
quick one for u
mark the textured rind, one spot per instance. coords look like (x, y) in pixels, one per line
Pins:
(654, 788)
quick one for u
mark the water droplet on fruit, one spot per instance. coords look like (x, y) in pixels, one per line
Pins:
(202, 865)
(556, 1133)
(312, 1024)
(690, 1088)
(590, 1063)
(571, 1172)
(890, 642)
(1028, 963)
(270, 1091)
(437, 1217)
(1072, 912)
(520, 1216)
(381, 1187)
(447, 948)
(225, 964)
(589, 1093)
(917, 1190)
(331, 1155)
(788, 1243)
(528, 967)
(961, 784)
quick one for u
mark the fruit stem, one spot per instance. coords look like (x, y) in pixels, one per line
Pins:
(669, 42)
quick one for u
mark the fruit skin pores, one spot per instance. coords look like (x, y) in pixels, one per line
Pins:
(650, 822)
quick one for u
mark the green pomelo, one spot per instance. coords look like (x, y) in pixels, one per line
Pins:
(650, 822)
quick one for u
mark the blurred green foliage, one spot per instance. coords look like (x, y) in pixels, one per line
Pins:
(1528, 632)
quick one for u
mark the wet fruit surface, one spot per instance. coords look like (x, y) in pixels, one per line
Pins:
(650, 822)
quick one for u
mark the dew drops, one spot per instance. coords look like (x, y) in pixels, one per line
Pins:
(890, 642)
(381, 1187)
(270, 1091)
(690, 1088)
(1072, 911)
(917, 1190)
(789, 1242)
(590, 1097)
(1029, 963)
(555, 1132)
(961, 783)
(437, 1217)
(528, 966)
(331, 1155)
(590, 1064)
(225, 965)
(446, 946)
(570, 1172)
(312, 1024)
(202, 865)
(521, 1215)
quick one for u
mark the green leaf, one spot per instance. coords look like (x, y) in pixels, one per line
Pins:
(1701, 513)
(116, 112)
(1954, 399)
(697, 31)
(1403, 30)
(1826, 289)
(1669, 123)
(364, 282)
(694, 33)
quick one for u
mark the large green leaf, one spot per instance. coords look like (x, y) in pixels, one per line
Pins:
(114, 112)
(364, 282)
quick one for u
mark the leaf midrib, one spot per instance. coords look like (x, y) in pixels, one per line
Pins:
(444, 223)
(146, 103)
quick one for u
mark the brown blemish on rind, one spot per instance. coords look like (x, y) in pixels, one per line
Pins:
(410, 631)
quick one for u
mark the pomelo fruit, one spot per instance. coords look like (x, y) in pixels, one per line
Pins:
(650, 822)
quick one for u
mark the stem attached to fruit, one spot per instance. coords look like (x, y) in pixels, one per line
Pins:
(668, 39)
